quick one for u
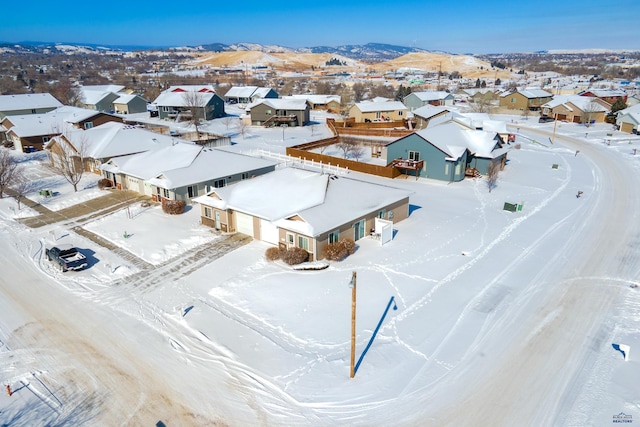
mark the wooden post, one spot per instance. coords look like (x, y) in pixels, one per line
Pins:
(9, 392)
(353, 325)
(555, 123)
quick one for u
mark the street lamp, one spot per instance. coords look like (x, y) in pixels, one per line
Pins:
(284, 125)
(352, 285)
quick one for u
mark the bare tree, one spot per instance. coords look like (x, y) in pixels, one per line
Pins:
(242, 127)
(9, 170)
(480, 105)
(227, 120)
(195, 102)
(68, 158)
(357, 152)
(345, 145)
(492, 175)
(21, 187)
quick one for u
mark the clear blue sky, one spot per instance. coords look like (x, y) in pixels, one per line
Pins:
(456, 26)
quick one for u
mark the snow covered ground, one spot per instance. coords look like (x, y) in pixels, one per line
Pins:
(503, 318)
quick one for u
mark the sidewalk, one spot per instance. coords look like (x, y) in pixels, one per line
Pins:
(112, 201)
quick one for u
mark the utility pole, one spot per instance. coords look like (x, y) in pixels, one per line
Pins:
(353, 325)
(439, 73)
(555, 123)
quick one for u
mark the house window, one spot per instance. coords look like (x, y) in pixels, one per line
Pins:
(290, 240)
(191, 191)
(219, 183)
(166, 109)
(446, 169)
(33, 111)
(88, 125)
(303, 242)
(513, 100)
(46, 139)
(267, 111)
(165, 193)
(399, 113)
(414, 155)
(245, 175)
(458, 169)
(334, 236)
(207, 212)
(382, 213)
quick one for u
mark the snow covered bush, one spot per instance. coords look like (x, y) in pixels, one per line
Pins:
(173, 207)
(273, 254)
(104, 183)
(337, 251)
(294, 256)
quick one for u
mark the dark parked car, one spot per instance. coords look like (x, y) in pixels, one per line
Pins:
(67, 257)
(545, 119)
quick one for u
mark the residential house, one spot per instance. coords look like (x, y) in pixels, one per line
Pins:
(31, 132)
(111, 140)
(363, 112)
(609, 96)
(419, 99)
(277, 112)
(430, 115)
(298, 208)
(477, 95)
(330, 103)
(29, 103)
(526, 99)
(628, 120)
(182, 171)
(447, 152)
(130, 104)
(177, 103)
(98, 100)
(576, 108)
(633, 99)
(249, 94)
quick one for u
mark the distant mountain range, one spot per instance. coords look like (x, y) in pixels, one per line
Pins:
(367, 52)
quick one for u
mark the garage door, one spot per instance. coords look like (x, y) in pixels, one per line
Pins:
(626, 127)
(268, 232)
(244, 224)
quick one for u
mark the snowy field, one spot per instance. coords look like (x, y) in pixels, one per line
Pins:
(502, 318)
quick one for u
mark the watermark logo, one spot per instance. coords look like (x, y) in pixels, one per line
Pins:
(622, 418)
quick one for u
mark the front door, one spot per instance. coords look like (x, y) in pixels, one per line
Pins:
(217, 219)
(358, 230)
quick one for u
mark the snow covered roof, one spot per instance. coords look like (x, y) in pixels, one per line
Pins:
(324, 202)
(482, 121)
(428, 111)
(175, 95)
(430, 95)
(51, 123)
(453, 140)
(125, 99)
(281, 103)
(240, 92)
(92, 97)
(151, 164)
(28, 101)
(210, 164)
(103, 88)
(371, 107)
(114, 139)
(605, 93)
(316, 99)
(584, 103)
(535, 93)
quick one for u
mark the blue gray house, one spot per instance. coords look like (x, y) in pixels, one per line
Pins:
(447, 152)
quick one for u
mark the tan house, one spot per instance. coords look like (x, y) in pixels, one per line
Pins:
(298, 208)
(576, 109)
(385, 111)
(430, 115)
(527, 99)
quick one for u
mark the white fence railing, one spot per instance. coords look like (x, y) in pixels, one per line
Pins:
(287, 161)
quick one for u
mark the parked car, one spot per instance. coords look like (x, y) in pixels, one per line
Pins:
(545, 119)
(67, 257)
